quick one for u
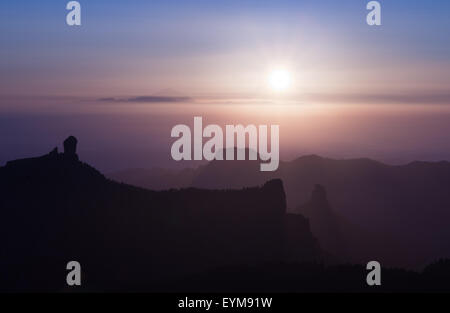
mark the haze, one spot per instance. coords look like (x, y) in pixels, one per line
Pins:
(135, 69)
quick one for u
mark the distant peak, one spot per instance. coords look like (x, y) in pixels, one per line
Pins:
(312, 157)
(319, 193)
(319, 197)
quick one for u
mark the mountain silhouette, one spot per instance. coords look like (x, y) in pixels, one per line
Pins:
(56, 209)
(325, 224)
(393, 205)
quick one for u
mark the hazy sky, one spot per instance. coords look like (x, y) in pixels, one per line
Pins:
(222, 47)
(381, 92)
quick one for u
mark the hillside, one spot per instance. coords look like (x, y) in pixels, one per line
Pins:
(399, 205)
(56, 209)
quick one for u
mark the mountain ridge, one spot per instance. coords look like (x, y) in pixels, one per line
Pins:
(398, 203)
(56, 209)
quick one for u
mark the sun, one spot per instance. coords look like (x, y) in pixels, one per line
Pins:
(279, 80)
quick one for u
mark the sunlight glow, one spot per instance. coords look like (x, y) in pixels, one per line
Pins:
(279, 80)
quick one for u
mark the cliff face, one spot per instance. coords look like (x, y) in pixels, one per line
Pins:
(56, 209)
(325, 224)
(394, 205)
(300, 245)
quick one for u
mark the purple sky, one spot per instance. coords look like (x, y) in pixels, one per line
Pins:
(134, 69)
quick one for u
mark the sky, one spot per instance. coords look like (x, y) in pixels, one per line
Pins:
(222, 47)
(214, 58)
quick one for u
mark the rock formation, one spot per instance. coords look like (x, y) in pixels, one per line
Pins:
(70, 147)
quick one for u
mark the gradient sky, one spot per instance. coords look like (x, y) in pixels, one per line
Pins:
(380, 92)
(222, 47)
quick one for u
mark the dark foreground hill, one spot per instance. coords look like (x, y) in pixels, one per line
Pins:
(400, 213)
(56, 209)
(313, 277)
